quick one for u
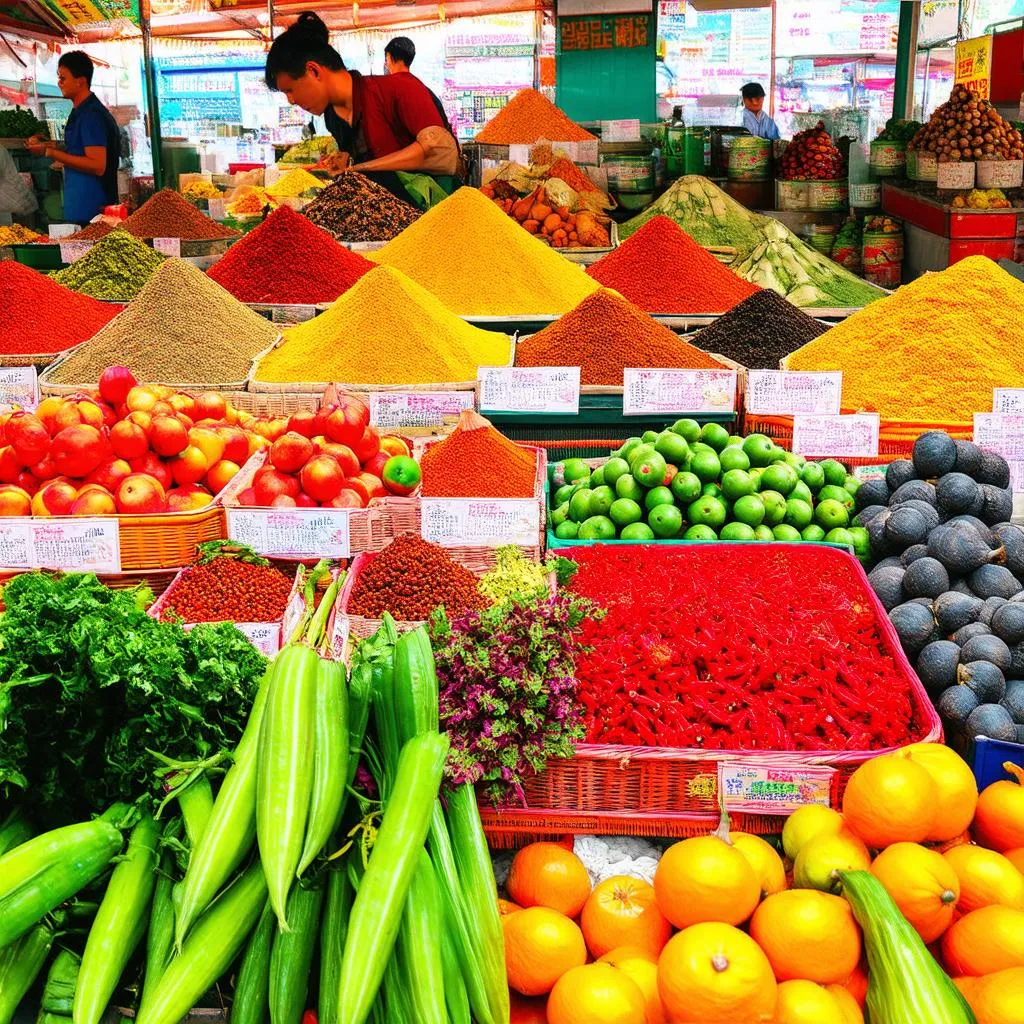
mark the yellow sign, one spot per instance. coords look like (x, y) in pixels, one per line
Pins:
(974, 65)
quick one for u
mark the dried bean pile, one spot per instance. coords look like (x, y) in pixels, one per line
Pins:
(356, 209)
(168, 215)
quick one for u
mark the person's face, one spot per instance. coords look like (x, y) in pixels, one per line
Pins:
(309, 92)
(69, 85)
(390, 66)
(754, 105)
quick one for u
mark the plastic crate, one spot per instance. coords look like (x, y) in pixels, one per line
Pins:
(987, 757)
(40, 257)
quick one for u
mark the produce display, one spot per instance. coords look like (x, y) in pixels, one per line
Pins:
(17, 234)
(812, 156)
(700, 483)
(167, 215)
(16, 123)
(542, 214)
(967, 127)
(250, 200)
(530, 116)
(92, 232)
(355, 209)
(294, 184)
(848, 245)
(982, 199)
(201, 189)
(116, 268)
(898, 129)
(309, 151)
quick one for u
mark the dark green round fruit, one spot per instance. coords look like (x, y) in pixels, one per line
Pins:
(562, 495)
(597, 477)
(803, 493)
(574, 469)
(839, 536)
(831, 515)
(665, 520)
(763, 532)
(780, 477)
(799, 514)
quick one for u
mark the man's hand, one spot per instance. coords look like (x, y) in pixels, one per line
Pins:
(336, 163)
(36, 146)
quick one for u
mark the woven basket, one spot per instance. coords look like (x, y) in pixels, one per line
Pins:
(39, 360)
(273, 404)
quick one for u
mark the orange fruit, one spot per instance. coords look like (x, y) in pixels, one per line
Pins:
(986, 877)
(849, 1009)
(804, 1002)
(713, 973)
(890, 800)
(527, 1011)
(954, 780)
(548, 875)
(764, 859)
(922, 883)
(985, 941)
(595, 994)
(540, 946)
(638, 965)
(999, 819)
(999, 998)
(1016, 858)
(622, 911)
(857, 984)
(807, 935)
(506, 907)
(968, 987)
(705, 879)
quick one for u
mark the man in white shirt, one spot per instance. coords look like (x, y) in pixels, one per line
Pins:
(755, 120)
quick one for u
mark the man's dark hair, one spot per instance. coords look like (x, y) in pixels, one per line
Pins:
(307, 41)
(752, 91)
(403, 49)
(78, 64)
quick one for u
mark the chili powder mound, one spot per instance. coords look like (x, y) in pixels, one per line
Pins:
(663, 270)
(409, 579)
(168, 215)
(476, 461)
(288, 260)
(228, 590)
(92, 232)
(43, 317)
(530, 116)
(568, 172)
(605, 334)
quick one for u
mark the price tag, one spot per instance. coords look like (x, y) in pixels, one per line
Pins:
(264, 636)
(81, 544)
(671, 392)
(1004, 434)
(292, 314)
(480, 522)
(218, 209)
(71, 251)
(168, 246)
(519, 154)
(759, 788)
(58, 231)
(786, 392)
(292, 533)
(1008, 401)
(626, 130)
(19, 385)
(580, 152)
(548, 389)
(838, 437)
(393, 410)
(339, 637)
(865, 473)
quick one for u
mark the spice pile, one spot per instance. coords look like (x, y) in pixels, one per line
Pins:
(18, 234)
(41, 316)
(528, 117)
(662, 270)
(168, 215)
(568, 172)
(201, 189)
(737, 648)
(116, 268)
(181, 329)
(356, 209)
(250, 199)
(294, 184)
(92, 232)
(476, 461)
(933, 350)
(409, 579)
(604, 335)
(760, 331)
(263, 267)
(512, 273)
(385, 329)
(514, 576)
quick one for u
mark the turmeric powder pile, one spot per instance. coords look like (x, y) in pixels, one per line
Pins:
(931, 351)
(479, 262)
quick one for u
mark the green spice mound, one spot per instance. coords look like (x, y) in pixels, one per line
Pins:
(115, 268)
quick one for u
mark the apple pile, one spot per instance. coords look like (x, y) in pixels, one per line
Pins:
(124, 449)
(332, 458)
(812, 156)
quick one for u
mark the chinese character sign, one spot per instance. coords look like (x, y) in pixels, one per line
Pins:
(615, 32)
(77, 12)
(974, 64)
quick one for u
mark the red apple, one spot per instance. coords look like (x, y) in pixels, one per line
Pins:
(367, 446)
(348, 421)
(92, 413)
(168, 437)
(373, 485)
(109, 474)
(236, 444)
(128, 440)
(353, 483)
(345, 456)
(67, 416)
(210, 405)
(284, 501)
(190, 466)
(140, 494)
(303, 500)
(143, 420)
(151, 465)
(10, 466)
(28, 436)
(377, 463)
(220, 475)
(247, 497)
(322, 477)
(115, 383)
(14, 501)
(269, 483)
(188, 498)
(94, 500)
(28, 482)
(183, 404)
(290, 452)
(345, 498)
(394, 445)
(302, 423)
(141, 398)
(78, 450)
(47, 411)
(55, 499)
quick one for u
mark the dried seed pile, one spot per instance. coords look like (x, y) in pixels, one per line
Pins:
(168, 215)
(356, 209)
(92, 232)
(116, 268)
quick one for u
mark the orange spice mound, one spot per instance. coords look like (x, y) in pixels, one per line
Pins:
(604, 335)
(476, 461)
(530, 116)
(568, 172)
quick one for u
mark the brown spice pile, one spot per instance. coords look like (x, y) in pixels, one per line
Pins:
(168, 215)
(92, 232)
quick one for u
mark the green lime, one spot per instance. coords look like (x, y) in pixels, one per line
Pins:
(597, 477)
(562, 495)
(627, 448)
(685, 487)
(756, 472)
(736, 531)
(798, 513)
(665, 520)
(705, 465)
(835, 472)
(733, 457)
(763, 532)
(627, 487)
(715, 435)
(700, 532)
(861, 541)
(774, 507)
(785, 532)
(736, 483)
(700, 446)
(601, 499)
(735, 441)
(650, 470)
(625, 511)
(613, 469)
(794, 460)
(711, 490)
(831, 514)
(813, 532)
(839, 536)
(749, 510)
(567, 531)
(579, 505)
(687, 429)
(707, 511)
(813, 475)
(636, 531)
(758, 448)
(802, 493)
(641, 451)
(852, 484)
(574, 469)
(560, 514)
(780, 477)
(840, 494)
(597, 528)
(650, 436)
(658, 496)
(673, 448)
(777, 454)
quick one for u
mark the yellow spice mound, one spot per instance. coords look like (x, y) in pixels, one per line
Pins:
(479, 262)
(931, 351)
(294, 183)
(385, 329)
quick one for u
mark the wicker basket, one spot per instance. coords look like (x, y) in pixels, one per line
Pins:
(274, 404)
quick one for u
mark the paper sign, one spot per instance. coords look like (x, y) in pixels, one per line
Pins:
(81, 544)
(838, 437)
(293, 532)
(264, 636)
(480, 522)
(788, 392)
(996, 432)
(865, 473)
(547, 389)
(62, 230)
(621, 131)
(168, 246)
(339, 637)
(19, 385)
(518, 153)
(973, 65)
(671, 392)
(71, 251)
(292, 314)
(759, 788)
(580, 152)
(218, 209)
(1008, 401)
(393, 410)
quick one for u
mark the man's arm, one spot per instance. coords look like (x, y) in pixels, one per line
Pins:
(93, 162)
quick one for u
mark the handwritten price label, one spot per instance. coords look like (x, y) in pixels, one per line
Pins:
(19, 385)
(548, 389)
(1008, 401)
(480, 522)
(168, 246)
(786, 392)
(394, 410)
(82, 545)
(1003, 434)
(759, 788)
(71, 251)
(838, 437)
(264, 636)
(292, 533)
(671, 392)
(58, 231)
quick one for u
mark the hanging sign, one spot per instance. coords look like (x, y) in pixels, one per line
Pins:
(82, 12)
(973, 67)
(788, 392)
(612, 32)
(671, 392)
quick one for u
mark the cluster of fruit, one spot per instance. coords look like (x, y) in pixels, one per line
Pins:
(812, 156)
(982, 199)
(967, 127)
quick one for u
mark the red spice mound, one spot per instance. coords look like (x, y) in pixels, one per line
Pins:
(737, 647)
(43, 317)
(288, 259)
(476, 461)
(229, 590)
(409, 579)
(605, 334)
(530, 116)
(663, 270)
(92, 232)
(168, 215)
(568, 172)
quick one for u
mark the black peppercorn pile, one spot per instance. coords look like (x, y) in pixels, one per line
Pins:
(760, 331)
(356, 209)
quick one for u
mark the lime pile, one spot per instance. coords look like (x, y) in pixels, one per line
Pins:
(700, 483)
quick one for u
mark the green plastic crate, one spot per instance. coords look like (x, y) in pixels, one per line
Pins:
(38, 257)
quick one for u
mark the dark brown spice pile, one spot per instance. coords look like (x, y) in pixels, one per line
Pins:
(168, 215)
(92, 232)
(760, 331)
(356, 209)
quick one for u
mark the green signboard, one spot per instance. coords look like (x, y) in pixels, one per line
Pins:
(81, 12)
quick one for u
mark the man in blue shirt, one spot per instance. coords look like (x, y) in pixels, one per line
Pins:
(755, 120)
(92, 145)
